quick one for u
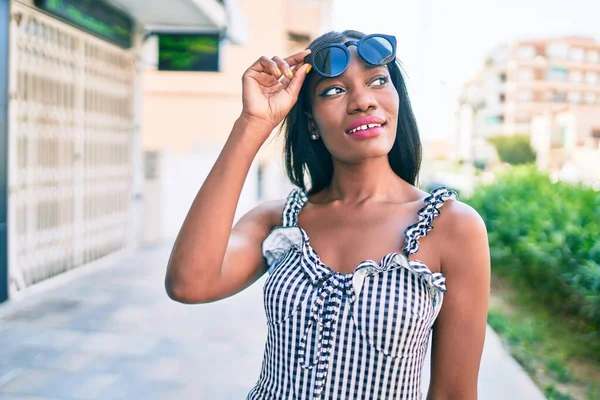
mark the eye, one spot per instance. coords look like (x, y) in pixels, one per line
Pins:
(380, 81)
(332, 91)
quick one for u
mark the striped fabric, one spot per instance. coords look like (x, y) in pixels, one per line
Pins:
(332, 335)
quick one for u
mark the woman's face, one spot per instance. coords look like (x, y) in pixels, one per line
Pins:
(356, 113)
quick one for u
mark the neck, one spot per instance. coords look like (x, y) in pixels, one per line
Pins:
(369, 180)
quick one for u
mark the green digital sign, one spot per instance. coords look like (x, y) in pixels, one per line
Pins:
(93, 16)
(188, 52)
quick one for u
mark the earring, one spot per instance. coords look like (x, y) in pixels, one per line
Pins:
(314, 136)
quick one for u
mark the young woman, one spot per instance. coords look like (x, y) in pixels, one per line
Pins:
(350, 310)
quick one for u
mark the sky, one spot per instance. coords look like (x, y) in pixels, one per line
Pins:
(442, 43)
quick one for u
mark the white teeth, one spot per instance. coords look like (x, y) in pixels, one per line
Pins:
(363, 127)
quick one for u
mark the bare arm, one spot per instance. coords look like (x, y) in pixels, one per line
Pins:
(210, 260)
(459, 331)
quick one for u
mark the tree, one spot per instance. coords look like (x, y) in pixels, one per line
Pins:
(514, 149)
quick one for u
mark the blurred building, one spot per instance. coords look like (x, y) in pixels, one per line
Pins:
(70, 151)
(525, 79)
(188, 115)
(568, 143)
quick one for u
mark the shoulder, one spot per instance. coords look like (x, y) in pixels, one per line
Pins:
(462, 231)
(268, 212)
(271, 212)
(459, 220)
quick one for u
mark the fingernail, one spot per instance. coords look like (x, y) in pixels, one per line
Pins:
(308, 69)
(290, 73)
(278, 71)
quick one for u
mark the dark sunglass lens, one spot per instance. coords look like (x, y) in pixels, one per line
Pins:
(377, 50)
(330, 61)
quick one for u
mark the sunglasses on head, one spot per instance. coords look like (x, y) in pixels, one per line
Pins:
(332, 60)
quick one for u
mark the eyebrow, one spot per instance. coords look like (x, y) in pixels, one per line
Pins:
(366, 67)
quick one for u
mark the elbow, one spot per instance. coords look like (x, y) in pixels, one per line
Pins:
(177, 292)
(182, 292)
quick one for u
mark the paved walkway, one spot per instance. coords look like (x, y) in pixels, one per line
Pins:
(114, 334)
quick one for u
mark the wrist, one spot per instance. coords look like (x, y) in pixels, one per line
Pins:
(259, 126)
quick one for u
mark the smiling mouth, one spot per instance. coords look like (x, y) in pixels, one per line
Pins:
(364, 128)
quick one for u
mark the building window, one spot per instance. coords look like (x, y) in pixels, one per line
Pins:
(593, 56)
(557, 51)
(494, 120)
(525, 74)
(590, 98)
(557, 97)
(525, 96)
(575, 76)
(591, 78)
(574, 97)
(576, 54)
(557, 74)
(526, 52)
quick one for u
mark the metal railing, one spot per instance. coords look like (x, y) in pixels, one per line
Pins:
(70, 145)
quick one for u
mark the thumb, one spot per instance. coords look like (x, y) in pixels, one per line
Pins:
(298, 79)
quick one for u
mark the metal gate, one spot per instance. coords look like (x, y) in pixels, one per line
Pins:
(71, 127)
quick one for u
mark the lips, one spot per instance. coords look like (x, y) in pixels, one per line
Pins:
(364, 124)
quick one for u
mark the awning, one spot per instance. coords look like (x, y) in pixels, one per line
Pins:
(179, 15)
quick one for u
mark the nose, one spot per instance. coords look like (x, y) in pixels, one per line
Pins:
(360, 100)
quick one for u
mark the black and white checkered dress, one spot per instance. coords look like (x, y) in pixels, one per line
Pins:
(346, 336)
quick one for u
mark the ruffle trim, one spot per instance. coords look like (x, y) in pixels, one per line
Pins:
(427, 214)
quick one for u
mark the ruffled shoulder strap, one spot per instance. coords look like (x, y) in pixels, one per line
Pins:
(436, 199)
(295, 202)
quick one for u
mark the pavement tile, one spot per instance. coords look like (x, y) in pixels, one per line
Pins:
(114, 334)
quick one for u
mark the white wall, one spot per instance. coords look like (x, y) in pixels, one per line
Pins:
(167, 199)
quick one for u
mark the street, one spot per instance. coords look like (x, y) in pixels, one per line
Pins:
(112, 333)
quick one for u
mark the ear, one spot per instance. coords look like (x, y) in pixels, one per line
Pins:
(312, 125)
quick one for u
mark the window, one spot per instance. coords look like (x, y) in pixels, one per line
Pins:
(525, 74)
(574, 97)
(591, 78)
(525, 96)
(590, 98)
(576, 54)
(557, 50)
(557, 97)
(593, 56)
(494, 120)
(575, 76)
(526, 52)
(557, 74)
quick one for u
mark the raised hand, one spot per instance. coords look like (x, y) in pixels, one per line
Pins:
(270, 88)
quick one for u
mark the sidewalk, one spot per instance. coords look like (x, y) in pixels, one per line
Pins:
(114, 334)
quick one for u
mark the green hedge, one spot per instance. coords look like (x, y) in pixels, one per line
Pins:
(545, 236)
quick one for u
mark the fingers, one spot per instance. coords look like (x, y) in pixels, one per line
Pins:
(284, 67)
(297, 58)
(298, 79)
(265, 65)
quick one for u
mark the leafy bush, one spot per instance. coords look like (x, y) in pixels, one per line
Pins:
(545, 236)
(515, 149)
